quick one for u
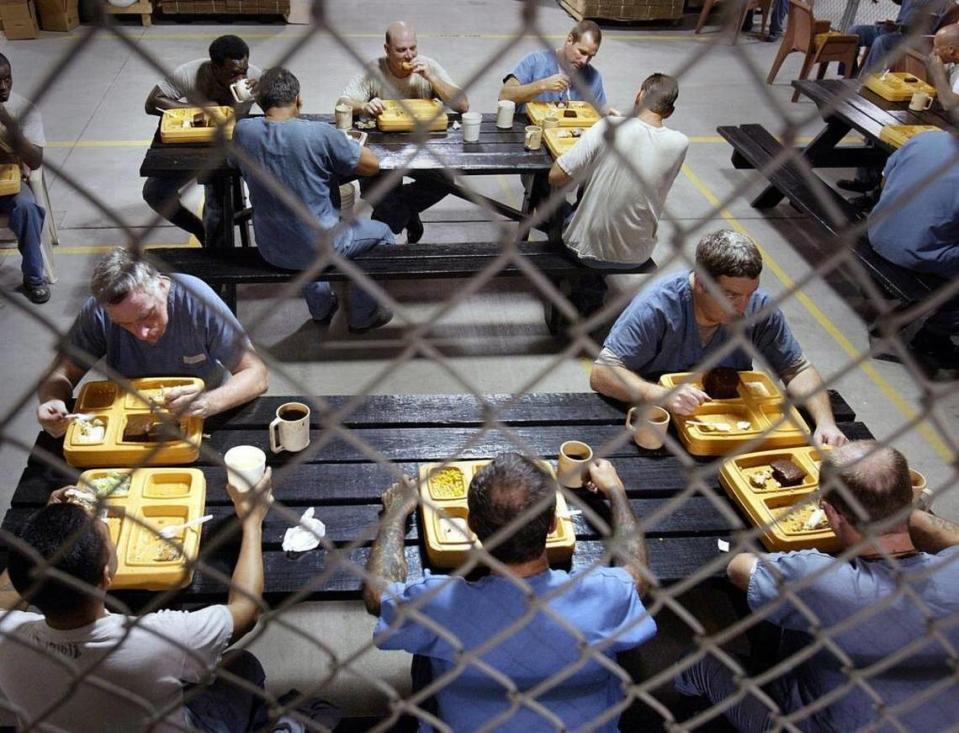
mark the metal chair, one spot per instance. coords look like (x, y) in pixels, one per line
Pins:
(761, 5)
(50, 235)
(817, 41)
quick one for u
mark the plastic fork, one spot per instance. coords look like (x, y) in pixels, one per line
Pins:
(171, 531)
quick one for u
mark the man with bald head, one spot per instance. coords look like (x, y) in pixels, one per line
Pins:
(943, 65)
(859, 603)
(403, 74)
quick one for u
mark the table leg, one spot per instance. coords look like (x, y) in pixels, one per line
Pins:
(825, 141)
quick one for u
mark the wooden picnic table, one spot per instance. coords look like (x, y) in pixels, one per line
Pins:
(343, 482)
(497, 152)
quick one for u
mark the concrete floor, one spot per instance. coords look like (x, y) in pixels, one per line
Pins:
(494, 341)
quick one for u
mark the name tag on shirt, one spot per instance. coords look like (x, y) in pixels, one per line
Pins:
(198, 359)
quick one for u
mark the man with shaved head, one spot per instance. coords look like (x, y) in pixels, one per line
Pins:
(897, 579)
(943, 64)
(403, 74)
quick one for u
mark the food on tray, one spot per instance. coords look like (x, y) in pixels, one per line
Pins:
(721, 383)
(82, 497)
(756, 389)
(569, 113)
(804, 519)
(147, 429)
(743, 424)
(447, 483)
(90, 430)
(454, 529)
(786, 472)
(115, 483)
(199, 120)
(158, 549)
(762, 477)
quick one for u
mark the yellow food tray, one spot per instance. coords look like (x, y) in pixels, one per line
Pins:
(173, 131)
(560, 139)
(770, 506)
(403, 115)
(897, 86)
(9, 179)
(109, 403)
(572, 114)
(155, 498)
(899, 135)
(760, 404)
(444, 511)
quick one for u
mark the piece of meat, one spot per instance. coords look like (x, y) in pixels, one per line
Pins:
(721, 383)
(786, 472)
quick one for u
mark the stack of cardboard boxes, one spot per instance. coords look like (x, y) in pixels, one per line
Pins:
(20, 17)
(624, 9)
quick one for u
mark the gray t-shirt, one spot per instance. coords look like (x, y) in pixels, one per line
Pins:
(376, 80)
(197, 74)
(839, 592)
(202, 339)
(141, 669)
(31, 124)
(617, 218)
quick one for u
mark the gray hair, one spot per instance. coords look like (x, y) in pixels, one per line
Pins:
(120, 273)
(728, 253)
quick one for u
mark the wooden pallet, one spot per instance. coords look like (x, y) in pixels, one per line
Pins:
(624, 10)
(143, 8)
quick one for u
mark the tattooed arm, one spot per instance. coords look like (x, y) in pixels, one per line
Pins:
(387, 563)
(9, 598)
(930, 533)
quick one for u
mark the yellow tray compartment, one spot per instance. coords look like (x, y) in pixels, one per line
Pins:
(897, 86)
(444, 512)
(9, 179)
(404, 115)
(899, 135)
(760, 403)
(112, 405)
(769, 506)
(157, 497)
(172, 128)
(560, 139)
(573, 114)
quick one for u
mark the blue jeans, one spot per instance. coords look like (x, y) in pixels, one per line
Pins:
(880, 41)
(26, 221)
(406, 200)
(162, 194)
(777, 20)
(362, 236)
(224, 708)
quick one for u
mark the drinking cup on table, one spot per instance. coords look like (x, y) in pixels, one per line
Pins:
(505, 109)
(245, 465)
(241, 90)
(344, 116)
(574, 458)
(290, 431)
(471, 126)
(648, 425)
(920, 102)
(534, 137)
(550, 122)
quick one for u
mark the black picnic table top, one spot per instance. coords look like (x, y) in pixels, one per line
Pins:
(345, 470)
(498, 151)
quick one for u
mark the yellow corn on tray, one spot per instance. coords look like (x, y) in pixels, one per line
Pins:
(899, 135)
(403, 115)
(560, 139)
(137, 508)
(121, 415)
(897, 86)
(444, 512)
(9, 179)
(721, 426)
(783, 513)
(567, 114)
(177, 124)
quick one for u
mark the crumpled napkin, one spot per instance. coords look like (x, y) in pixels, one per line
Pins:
(455, 125)
(306, 535)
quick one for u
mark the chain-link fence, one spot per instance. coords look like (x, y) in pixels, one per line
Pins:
(864, 639)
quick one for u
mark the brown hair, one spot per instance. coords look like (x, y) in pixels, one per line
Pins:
(660, 91)
(876, 476)
(587, 28)
(728, 253)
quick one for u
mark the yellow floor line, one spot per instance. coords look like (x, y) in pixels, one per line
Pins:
(828, 326)
(99, 249)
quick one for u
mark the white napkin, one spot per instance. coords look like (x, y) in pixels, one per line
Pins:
(306, 535)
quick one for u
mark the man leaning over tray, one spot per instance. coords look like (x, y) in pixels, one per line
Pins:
(144, 324)
(678, 323)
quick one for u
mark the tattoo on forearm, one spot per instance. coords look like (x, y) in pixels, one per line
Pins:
(388, 557)
(631, 539)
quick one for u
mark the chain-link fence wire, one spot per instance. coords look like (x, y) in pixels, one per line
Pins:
(349, 558)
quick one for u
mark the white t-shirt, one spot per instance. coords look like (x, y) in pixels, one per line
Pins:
(953, 71)
(370, 83)
(192, 75)
(31, 124)
(617, 217)
(142, 671)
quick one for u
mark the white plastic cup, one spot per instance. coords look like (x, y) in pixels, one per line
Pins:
(344, 116)
(245, 465)
(505, 109)
(471, 126)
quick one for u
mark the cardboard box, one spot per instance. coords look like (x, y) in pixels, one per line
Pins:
(19, 19)
(58, 15)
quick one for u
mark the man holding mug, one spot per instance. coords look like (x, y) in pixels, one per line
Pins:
(195, 83)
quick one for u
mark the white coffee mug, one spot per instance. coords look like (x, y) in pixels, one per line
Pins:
(241, 90)
(920, 102)
(649, 426)
(290, 431)
(245, 465)
(573, 462)
(471, 126)
(504, 114)
(533, 138)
